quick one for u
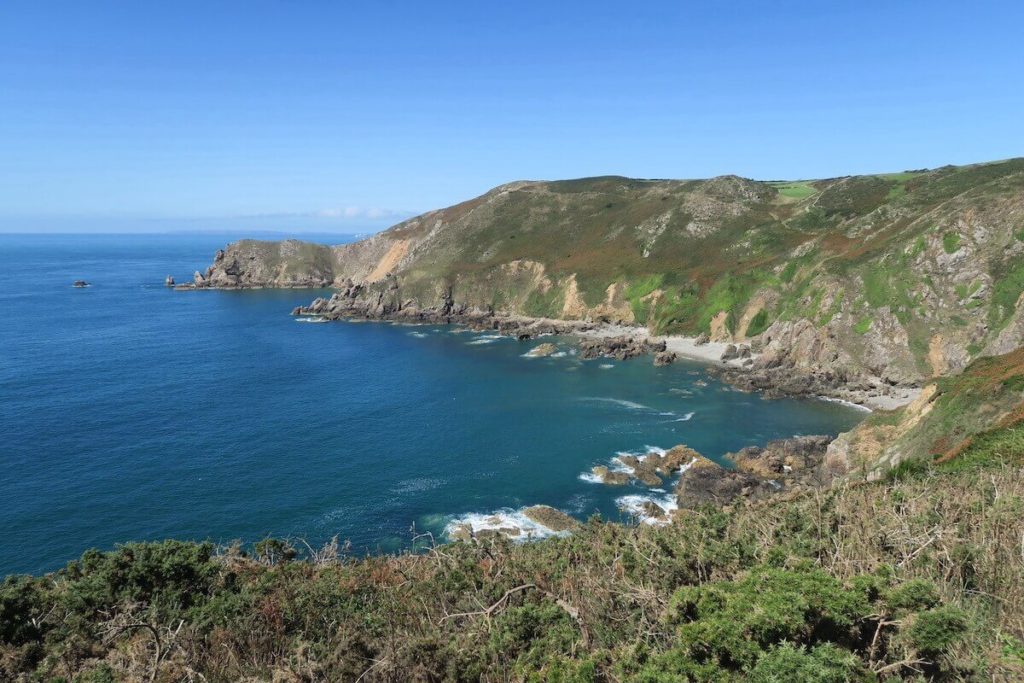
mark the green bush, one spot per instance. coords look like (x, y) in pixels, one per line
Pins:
(914, 595)
(758, 324)
(823, 664)
(931, 633)
(731, 623)
(951, 242)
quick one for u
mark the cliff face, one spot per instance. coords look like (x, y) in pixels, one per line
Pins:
(897, 277)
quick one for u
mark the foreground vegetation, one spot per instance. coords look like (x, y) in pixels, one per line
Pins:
(919, 577)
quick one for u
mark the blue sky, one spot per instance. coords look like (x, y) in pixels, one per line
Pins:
(349, 116)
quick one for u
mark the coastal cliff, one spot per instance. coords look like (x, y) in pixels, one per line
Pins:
(890, 279)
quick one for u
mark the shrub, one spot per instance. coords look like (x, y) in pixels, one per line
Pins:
(932, 632)
(822, 664)
(914, 595)
(758, 324)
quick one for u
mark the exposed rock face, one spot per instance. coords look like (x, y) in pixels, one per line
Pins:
(706, 482)
(797, 460)
(784, 465)
(254, 264)
(619, 348)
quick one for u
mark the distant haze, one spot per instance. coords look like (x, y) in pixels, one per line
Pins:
(321, 116)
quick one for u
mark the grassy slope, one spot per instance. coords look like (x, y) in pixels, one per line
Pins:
(988, 395)
(920, 574)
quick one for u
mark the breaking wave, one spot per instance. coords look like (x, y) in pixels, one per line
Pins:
(503, 520)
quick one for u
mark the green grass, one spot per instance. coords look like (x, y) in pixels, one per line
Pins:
(759, 323)
(951, 242)
(1000, 446)
(1005, 293)
(795, 190)
(637, 289)
(862, 326)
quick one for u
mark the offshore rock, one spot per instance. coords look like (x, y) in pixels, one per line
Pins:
(665, 358)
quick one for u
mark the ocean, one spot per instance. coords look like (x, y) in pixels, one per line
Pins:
(130, 412)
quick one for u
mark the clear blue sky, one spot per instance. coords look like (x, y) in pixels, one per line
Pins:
(306, 115)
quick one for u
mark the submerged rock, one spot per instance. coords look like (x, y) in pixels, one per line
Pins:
(542, 350)
(80, 283)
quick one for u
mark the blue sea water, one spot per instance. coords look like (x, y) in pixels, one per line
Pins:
(131, 412)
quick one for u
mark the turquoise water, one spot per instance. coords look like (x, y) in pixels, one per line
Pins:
(131, 412)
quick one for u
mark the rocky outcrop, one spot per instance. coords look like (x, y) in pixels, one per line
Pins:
(648, 469)
(665, 358)
(619, 348)
(781, 466)
(708, 483)
(542, 350)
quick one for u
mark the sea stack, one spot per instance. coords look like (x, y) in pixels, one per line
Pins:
(169, 281)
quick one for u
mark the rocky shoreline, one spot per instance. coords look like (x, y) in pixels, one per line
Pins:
(743, 365)
(782, 468)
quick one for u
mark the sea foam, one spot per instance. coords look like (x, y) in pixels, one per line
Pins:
(633, 505)
(505, 518)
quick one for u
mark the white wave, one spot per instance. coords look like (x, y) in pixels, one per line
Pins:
(684, 418)
(633, 504)
(606, 366)
(486, 339)
(312, 319)
(418, 335)
(615, 464)
(505, 518)
(559, 354)
(632, 405)
(848, 404)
